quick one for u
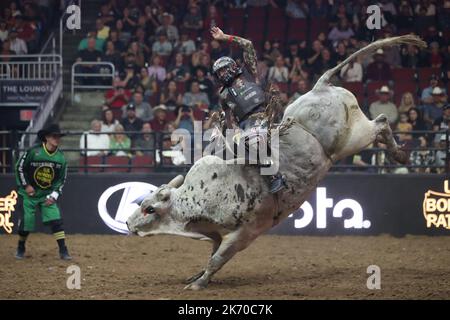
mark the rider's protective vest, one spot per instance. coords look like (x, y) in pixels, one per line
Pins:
(243, 96)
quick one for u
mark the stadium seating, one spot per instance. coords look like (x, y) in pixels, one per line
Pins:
(138, 164)
(94, 164)
(117, 161)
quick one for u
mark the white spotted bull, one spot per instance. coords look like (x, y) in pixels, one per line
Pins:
(230, 204)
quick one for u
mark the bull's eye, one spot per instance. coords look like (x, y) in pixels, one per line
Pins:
(149, 210)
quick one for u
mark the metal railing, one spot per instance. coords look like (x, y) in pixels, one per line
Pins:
(84, 74)
(161, 158)
(30, 67)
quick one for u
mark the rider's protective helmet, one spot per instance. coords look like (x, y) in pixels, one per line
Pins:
(225, 69)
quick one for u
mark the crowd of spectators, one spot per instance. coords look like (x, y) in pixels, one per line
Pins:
(24, 23)
(163, 55)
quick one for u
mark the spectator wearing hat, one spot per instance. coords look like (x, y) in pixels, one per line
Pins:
(426, 95)
(131, 122)
(156, 71)
(146, 141)
(16, 44)
(384, 106)
(186, 46)
(168, 28)
(162, 46)
(186, 116)
(193, 19)
(160, 119)
(41, 174)
(433, 110)
(379, 70)
(131, 79)
(94, 140)
(143, 108)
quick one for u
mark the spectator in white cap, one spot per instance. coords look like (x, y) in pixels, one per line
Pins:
(384, 105)
(168, 27)
(379, 69)
(434, 110)
(426, 96)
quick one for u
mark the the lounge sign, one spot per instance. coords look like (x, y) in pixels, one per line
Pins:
(23, 92)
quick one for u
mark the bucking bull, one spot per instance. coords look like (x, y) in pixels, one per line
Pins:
(230, 205)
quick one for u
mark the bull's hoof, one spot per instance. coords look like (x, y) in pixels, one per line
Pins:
(195, 286)
(194, 277)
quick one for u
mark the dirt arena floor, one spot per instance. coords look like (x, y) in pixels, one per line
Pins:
(273, 267)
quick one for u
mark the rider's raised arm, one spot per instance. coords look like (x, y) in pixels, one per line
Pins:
(249, 52)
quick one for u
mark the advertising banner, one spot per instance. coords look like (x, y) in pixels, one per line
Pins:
(342, 204)
(23, 92)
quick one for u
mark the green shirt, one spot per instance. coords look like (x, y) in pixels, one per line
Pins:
(124, 146)
(44, 171)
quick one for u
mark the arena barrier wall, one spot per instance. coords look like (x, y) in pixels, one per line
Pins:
(343, 204)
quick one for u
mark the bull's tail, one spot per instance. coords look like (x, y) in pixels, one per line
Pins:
(388, 42)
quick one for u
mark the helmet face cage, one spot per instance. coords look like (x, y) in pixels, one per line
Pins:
(228, 70)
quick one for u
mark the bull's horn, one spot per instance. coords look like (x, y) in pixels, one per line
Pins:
(177, 181)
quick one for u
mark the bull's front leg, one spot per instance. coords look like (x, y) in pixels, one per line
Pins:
(217, 240)
(386, 137)
(231, 244)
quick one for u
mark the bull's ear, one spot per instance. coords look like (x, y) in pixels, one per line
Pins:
(177, 181)
(164, 195)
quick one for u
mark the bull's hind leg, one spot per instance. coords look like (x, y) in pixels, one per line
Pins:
(231, 244)
(385, 136)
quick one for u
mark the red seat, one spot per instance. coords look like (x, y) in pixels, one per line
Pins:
(234, 23)
(258, 13)
(276, 25)
(119, 161)
(402, 87)
(403, 74)
(318, 25)
(426, 73)
(297, 30)
(357, 88)
(141, 164)
(93, 163)
(181, 87)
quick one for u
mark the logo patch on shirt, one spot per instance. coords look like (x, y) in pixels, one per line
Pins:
(43, 176)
